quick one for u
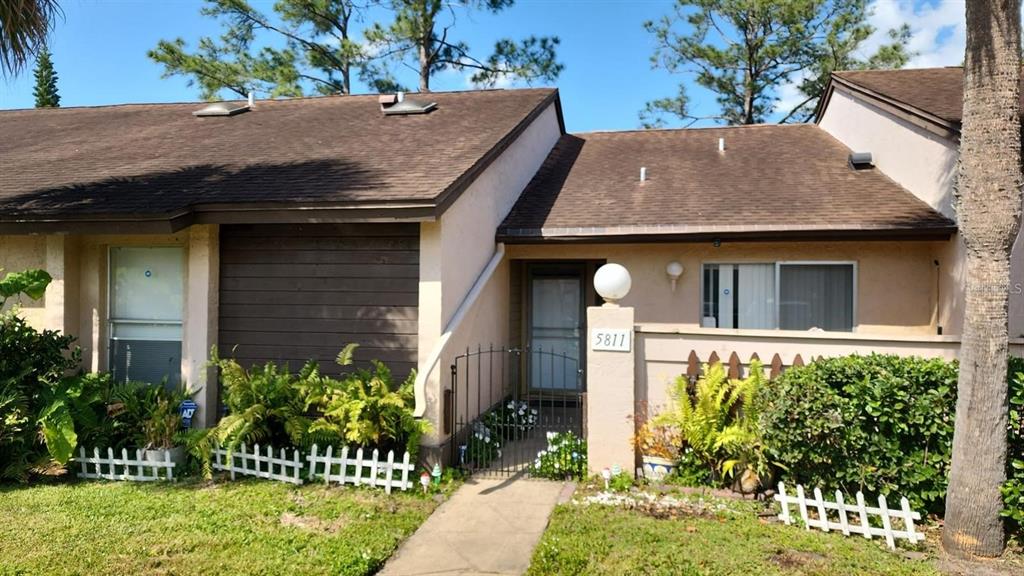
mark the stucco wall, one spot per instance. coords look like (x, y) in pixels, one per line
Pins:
(896, 281)
(456, 249)
(925, 164)
(918, 160)
(19, 253)
(663, 349)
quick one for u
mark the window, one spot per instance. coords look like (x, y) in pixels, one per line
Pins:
(786, 295)
(146, 301)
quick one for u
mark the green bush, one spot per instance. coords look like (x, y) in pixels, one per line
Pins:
(46, 409)
(877, 424)
(1013, 490)
(564, 458)
(367, 408)
(270, 405)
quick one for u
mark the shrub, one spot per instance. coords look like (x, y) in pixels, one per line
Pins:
(512, 419)
(45, 410)
(265, 404)
(1013, 490)
(877, 424)
(269, 404)
(482, 447)
(366, 408)
(718, 424)
(564, 458)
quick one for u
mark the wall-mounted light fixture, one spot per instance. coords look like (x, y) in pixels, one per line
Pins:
(674, 271)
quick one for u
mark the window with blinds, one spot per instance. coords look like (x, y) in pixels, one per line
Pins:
(779, 295)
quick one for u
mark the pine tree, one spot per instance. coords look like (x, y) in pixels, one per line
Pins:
(46, 82)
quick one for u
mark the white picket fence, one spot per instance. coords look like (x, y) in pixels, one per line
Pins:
(260, 464)
(359, 471)
(121, 468)
(862, 513)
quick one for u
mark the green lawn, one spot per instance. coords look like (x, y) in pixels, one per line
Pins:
(596, 540)
(244, 527)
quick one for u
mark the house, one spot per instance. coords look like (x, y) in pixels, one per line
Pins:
(458, 234)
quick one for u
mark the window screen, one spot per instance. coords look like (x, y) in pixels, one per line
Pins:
(146, 304)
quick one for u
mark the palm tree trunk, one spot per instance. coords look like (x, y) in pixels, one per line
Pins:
(989, 209)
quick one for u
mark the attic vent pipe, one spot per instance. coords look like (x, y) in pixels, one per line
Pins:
(721, 144)
(643, 173)
(252, 99)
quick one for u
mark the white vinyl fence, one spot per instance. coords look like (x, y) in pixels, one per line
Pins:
(359, 471)
(110, 468)
(260, 464)
(821, 507)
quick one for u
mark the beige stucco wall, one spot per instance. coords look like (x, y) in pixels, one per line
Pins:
(18, 253)
(455, 250)
(896, 281)
(925, 164)
(915, 158)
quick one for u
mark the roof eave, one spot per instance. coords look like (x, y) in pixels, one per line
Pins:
(916, 116)
(707, 234)
(224, 214)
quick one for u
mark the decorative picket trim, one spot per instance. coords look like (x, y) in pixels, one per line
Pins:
(821, 508)
(279, 468)
(121, 468)
(345, 470)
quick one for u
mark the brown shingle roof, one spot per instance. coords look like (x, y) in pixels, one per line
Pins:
(937, 91)
(771, 181)
(158, 159)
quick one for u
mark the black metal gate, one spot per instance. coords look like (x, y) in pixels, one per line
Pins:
(504, 402)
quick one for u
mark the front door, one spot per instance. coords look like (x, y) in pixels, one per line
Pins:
(555, 326)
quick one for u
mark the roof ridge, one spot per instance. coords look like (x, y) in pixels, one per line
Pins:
(693, 128)
(275, 100)
(896, 69)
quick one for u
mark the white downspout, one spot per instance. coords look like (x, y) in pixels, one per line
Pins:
(435, 355)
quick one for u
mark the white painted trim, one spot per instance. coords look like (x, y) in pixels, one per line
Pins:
(424, 371)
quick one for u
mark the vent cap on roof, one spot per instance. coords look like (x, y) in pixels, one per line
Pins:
(861, 160)
(221, 109)
(398, 104)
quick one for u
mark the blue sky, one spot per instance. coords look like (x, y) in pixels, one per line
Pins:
(100, 51)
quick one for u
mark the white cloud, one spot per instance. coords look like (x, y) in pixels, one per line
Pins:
(937, 30)
(937, 37)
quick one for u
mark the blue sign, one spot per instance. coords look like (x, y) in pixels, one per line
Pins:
(187, 410)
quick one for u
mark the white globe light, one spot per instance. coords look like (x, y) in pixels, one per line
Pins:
(612, 282)
(674, 270)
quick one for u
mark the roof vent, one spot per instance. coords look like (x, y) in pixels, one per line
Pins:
(398, 104)
(861, 160)
(221, 109)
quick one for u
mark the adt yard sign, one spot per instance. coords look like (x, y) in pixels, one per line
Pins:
(188, 410)
(611, 340)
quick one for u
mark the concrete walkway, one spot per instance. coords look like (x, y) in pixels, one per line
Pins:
(487, 527)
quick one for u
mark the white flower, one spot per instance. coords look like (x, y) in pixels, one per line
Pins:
(511, 404)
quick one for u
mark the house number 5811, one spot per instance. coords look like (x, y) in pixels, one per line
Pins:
(611, 340)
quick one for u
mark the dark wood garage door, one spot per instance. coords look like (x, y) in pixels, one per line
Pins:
(290, 293)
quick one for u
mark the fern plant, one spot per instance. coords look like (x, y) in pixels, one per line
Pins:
(366, 408)
(718, 421)
(265, 404)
